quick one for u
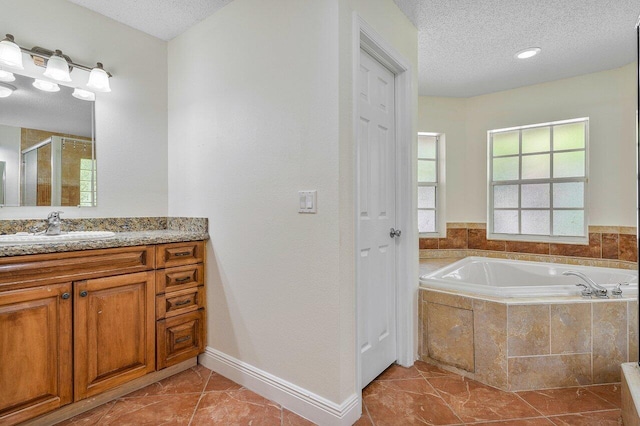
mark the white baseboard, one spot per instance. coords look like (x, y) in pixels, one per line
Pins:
(294, 398)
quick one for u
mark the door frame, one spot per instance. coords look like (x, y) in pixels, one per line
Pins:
(366, 38)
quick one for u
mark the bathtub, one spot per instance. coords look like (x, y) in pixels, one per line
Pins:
(514, 278)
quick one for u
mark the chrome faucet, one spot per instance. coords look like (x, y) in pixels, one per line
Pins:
(591, 286)
(53, 224)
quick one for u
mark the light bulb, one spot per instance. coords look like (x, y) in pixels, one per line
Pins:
(85, 95)
(10, 53)
(6, 90)
(99, 79)
(7, 76)
(46, 86)
(57, 67)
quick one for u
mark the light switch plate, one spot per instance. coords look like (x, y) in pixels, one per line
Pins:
(307, 201)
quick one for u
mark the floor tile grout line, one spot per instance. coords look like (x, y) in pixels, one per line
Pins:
(202, 393)
(106, 412)
(195, 409)
(529, 404)
(503, 420)
(368, 413)
(584, 412)
(444, 401)
(598, 396)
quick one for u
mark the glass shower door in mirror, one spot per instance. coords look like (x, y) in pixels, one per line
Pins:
(58, 171)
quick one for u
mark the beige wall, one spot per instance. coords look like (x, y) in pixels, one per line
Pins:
(257, 101)
(131, 121)
(607, 98)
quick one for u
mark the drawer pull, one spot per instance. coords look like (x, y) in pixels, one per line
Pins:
(183, 302)
(182, 253)
(183, 339)
(83, 293)
(65, 296)
(183, 279)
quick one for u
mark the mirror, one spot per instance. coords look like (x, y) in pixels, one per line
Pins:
(47, 148)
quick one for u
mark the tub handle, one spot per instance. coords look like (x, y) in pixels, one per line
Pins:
(587, 292)
(617, 292)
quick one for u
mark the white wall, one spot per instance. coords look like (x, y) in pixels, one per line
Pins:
(254, 116)
(607, 98)
(131, 121)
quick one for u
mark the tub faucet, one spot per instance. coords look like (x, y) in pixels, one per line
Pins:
(53, 224)
(592, 286)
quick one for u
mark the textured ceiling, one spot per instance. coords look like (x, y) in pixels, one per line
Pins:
(467, 47)
(163, 19)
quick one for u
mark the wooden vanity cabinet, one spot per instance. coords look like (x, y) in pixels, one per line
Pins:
(35, 351)
(74, 325)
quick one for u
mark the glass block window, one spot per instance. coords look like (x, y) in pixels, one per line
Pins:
(87, 182)
(427, 183)
(537, 181)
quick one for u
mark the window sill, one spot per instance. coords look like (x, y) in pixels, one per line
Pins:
(539, 239)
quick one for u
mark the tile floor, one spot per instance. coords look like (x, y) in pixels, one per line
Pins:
(421, 395)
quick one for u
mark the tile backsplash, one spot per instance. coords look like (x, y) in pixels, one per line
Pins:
(605, 242)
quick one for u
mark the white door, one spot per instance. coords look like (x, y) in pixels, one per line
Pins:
(376, 210)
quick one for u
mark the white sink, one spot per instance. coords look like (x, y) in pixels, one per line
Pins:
(26, 238)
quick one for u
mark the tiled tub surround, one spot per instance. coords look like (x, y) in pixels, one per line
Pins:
(609, 246)
(525, 344)
(133, 231)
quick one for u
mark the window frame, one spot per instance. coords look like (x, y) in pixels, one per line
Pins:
(491, 235)
(93, 191)
(437, 185)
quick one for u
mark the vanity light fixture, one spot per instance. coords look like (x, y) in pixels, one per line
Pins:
(6, 90)
(528, 53)
(7, 76)
(46, 86)
(99, 79)
(57, 68)
(84, 95)
(10, 54)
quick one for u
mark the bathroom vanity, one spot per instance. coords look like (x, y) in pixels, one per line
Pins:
(78, 325)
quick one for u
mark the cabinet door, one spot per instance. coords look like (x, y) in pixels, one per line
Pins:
(35, 351)
(114, 331)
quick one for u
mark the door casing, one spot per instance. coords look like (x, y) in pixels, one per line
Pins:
(406, 217)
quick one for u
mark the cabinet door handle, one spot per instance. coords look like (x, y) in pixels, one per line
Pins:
(183, 279)
(182, 253)
(84, 293)
(183, 302)
(65, 296)
(183, 339)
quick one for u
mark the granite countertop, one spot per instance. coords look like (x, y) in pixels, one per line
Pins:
(120, 239)
(128, 232)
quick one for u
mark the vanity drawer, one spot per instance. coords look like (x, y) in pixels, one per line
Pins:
(41, 269)
(179, 302)
(177, 254)
(179, 278)
(179, 338)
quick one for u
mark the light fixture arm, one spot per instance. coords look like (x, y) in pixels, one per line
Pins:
(46, 54)
(43, 53)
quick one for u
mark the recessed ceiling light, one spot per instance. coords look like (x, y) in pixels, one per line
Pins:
(528, 53)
